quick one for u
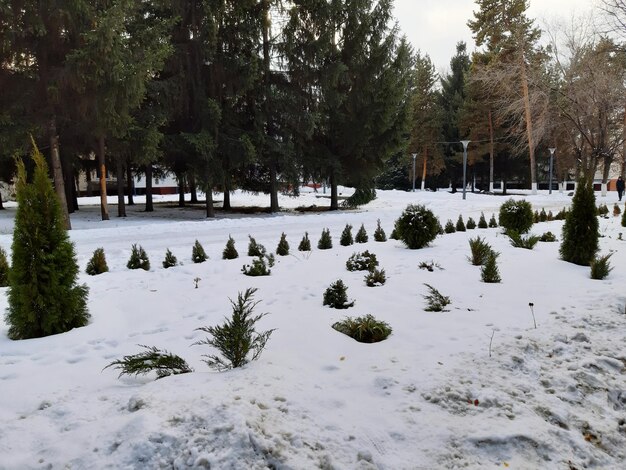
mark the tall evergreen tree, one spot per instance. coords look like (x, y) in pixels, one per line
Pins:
(579, 243)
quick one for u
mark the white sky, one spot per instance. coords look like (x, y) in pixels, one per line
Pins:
(435, 26)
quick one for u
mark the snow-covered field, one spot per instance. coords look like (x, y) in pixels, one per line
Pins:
(428, 397)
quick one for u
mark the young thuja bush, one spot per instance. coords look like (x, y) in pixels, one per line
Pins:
(471, 224)
(562, 214)
(138, 258)
(550, 216)
(460, 225)
(364, 329)
(379, 233)
(394, 234)
(375, 277)
(258, 267)
(579, 241)
(602, 209)
(361, 235)
(305, 243)
(365, 261)
(520, 241)
(493, 223)
(230, 252)
(543, 216)
(98, 263)
(170, 260)
(482, 223)
(536, 217)
(152, 359)
(548, 237)
(4, 268)
(236, 339)
(283, 246)
(480, 251)
(435, 301)
(616, 210)
(449, 228)
(601, 267)
(516, 215)
(346, 236)
(336, 296)
(254, 248)
(325, 242)
(417, 226)
(198, 255)
(489, 272)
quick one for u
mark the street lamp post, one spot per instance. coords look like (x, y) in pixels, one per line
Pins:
(414, 156)
(552, 150)
(465, 144)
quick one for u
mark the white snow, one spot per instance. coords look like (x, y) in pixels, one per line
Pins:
(428, 397)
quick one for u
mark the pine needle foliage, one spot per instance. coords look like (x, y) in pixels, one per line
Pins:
(336, 296)
(152, 359)
(482, 223)
(254, 248)
(579, 240)
(365, 329)
(305, 243)
(543, 216)
(170, 260)
(471, 224)
(450, 227)
(98, 263)
(601, 267)
(490, 273)
(236, 339)
(379, 233)
(417, 226)
(480, 250)
(361, 235)
(460, 224)
(43, 296)
(375, 277)
(365, 261)
(4, 268)
(435, 301)
(493, 223)
(325, 242)
(230, 252)
(257, 268)
(516, 215)
(548, 237)
(283, 246)
(522, 241)
(138, 258)
(346, 238)
(198, 255)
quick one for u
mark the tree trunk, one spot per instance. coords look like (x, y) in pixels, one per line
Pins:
(529, 126)
(88, 179)
(226, 205)
(68, 182)
(210, 210)
(606, 166)
(130, 182)
(121, 208)
(149, 204)
(193, 189)
(491, 152)
(273, 188)
(104, 210)
(181, 190)
(57, 172)
(334, 192)
(424, 168)
(1, 204)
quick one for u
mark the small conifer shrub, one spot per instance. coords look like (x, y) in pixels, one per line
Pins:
(98, 263)
(361, 235)
(482, 223)
(548, 237)
(417, 226)
(471, 224)
(460, 225)
(376, 277)
(449, 228)
(429, 266)
(550, 216)
(254, 248)
(305, 243)
(535, 217)
(579, 241)
(152, 359)
(336, 296)
(435, 301)
(170, 260)
(230, 252)
(236, 339)
(346, 236)
(4, 268)
(394, 234)
(493, 223)
(257, 268)
(561, 215)
(480, 251)
(601, 267)
(198, 255)
(516, 215)
(602, 210)
(364, 329)
(138, 259)
(616, 210)
(489, 272)
(283, 246)
(325, 242)
(379, 233)
(543, 216)
(365, 261)
(521, 241)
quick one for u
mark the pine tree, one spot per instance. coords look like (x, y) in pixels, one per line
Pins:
(98, 263)
(346, 236)
(482, 223)
(4, 268)
(305, 243)
(492, 222)
(230, 252)
(449, 228)
(43, 296)
(198, 255)
(336, 296)
(361, 235)
(579, 243)
(489, 271)
(379, 233)
(254, 248)
(283, 246)
(325, 242)
(138, 259)
(460, 225)
(471, 225)
(170, 260)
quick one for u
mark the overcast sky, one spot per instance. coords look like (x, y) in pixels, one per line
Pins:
(435, 26)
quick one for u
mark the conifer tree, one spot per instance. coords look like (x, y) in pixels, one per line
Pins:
(460, 225)
(170, 260)
(283, 246)
(379, 233)
(325, 242)
(305, 243)
(254, 248)
(138, 258)
(471, 225)
(489, 271)
(230, 252)
(579, 243)
(346, 236)
(198, 255)
(43, 296)
(493, 222)
(98, 263)
(449, 228)
(4, 268)
(361, 235)
(482, 223)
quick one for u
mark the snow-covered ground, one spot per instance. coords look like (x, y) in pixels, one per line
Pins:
(428, 397)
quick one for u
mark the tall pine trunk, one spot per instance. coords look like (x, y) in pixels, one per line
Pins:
(266, 104)
(491, 152)
(193, 189)
(121, 207)
(130, 182)
(104, 210)
(424, 168)
(273, 188)
(57, 171)
(226, 205)
(334, 192)
(529, 125)
(181, 190)
(149, 204)
(210, 210)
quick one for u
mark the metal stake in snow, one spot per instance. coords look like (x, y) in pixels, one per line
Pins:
(531, 305)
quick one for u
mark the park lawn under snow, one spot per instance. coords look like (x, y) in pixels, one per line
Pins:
(430, 396)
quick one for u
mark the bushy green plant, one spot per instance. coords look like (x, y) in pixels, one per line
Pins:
(98, 263)
(435, 301)
(336, 296)
(43, 295)
(379, 233)
(543, 216)
(561, 215)
(602, 209)
(471, 224)
(536, 216)
(521, 241)
(346, 236)
(394, 234)
(236, 339)
(170, 260)
(138, 258)
(449, 228)
(230, 252)
(4, 268)
(480, 250)
(257, 268)
(601, 267)
(360, 197)
(364, 329)
(198, 255)
(375, 277)
(493, 223)
(305, 243)
(417, 226)
(548, 237)
(616, 210)
(152, 359)
(429, 265)
(579, 241)
(550, 216)
(283, 246)
(482, 223)
(460, 225)
(365, 261)
(325, 242)
(361, 235)
(516, 215)
(489, 272)
(254, 248)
